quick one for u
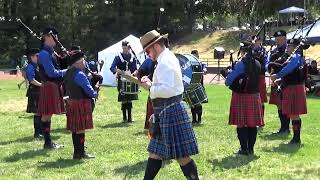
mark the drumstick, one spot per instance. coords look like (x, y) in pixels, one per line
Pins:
(131, 79)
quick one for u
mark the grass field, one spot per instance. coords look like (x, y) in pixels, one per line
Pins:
(120, 149)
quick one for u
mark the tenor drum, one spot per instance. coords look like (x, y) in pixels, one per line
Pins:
(128, 87)
(195, 95)
(191, 69)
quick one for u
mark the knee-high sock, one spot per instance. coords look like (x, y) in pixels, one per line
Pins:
(200, 113)
(243, 137)
(286, 122)
(46, 132)
(252, 131)
(81, 142)
(124, 111)
(296, 126)
(129, 108)
(190, 170)
(76, 145)
(152, 169)
(194, 114)
(281, 119)
(37, 125)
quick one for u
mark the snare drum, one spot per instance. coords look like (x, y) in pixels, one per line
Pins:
(195, 95)
(191, 69)
(128, 87)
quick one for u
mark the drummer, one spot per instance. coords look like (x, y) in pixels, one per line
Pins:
(125, 61)
(196, 110)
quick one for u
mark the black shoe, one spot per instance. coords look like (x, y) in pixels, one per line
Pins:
(83, 156)
(295, 142)
(250, 152)
(53, 146)
(193, 122)
(242, 152)
(38, 136)
(87, 156)
(281, 132)
(130, 121)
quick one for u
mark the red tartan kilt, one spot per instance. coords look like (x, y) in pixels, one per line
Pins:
(149, 113)
(79, 115)
(275, 98)
(294, 100)
(50, 99)
(263, 88)
(246, 110)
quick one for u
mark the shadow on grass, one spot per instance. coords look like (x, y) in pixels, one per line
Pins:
(60, 130)
(131, 170)
(26, 155)
(232, 161)
(19, 140)
(60, 163)
(26, 116)
(140, 133)
(116, 125)
(26, 140)
(285, 148)
(274, 136)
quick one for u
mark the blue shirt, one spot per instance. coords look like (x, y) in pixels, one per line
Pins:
(31, 71)
(280, 49)
(263, 63)
(239, 69)
(82, 81)
(117, 63)
(46, 60)
(147, 66)
(294, 63)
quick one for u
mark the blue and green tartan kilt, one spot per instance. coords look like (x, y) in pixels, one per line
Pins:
(177, 138)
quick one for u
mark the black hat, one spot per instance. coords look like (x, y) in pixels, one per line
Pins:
(280, 33)
(49, 30)
(125, 43)
(75, 57)
(32, 51)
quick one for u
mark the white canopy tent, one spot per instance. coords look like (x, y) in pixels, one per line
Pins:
(108, 55)
(291, 10)
(312, 38)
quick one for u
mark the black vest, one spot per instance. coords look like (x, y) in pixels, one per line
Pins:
(43, 75)
(249, 81)
(72, 89)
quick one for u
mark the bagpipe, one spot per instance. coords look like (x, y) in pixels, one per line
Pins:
(246, 56)
(281, 61)
(61, 60)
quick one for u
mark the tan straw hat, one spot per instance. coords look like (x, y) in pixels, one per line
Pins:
(150, 38)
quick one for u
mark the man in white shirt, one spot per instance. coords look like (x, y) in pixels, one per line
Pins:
(171, 129)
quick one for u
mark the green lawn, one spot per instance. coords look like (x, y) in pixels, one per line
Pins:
(121, 148)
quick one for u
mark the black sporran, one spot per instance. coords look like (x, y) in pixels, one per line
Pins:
(154, 127)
